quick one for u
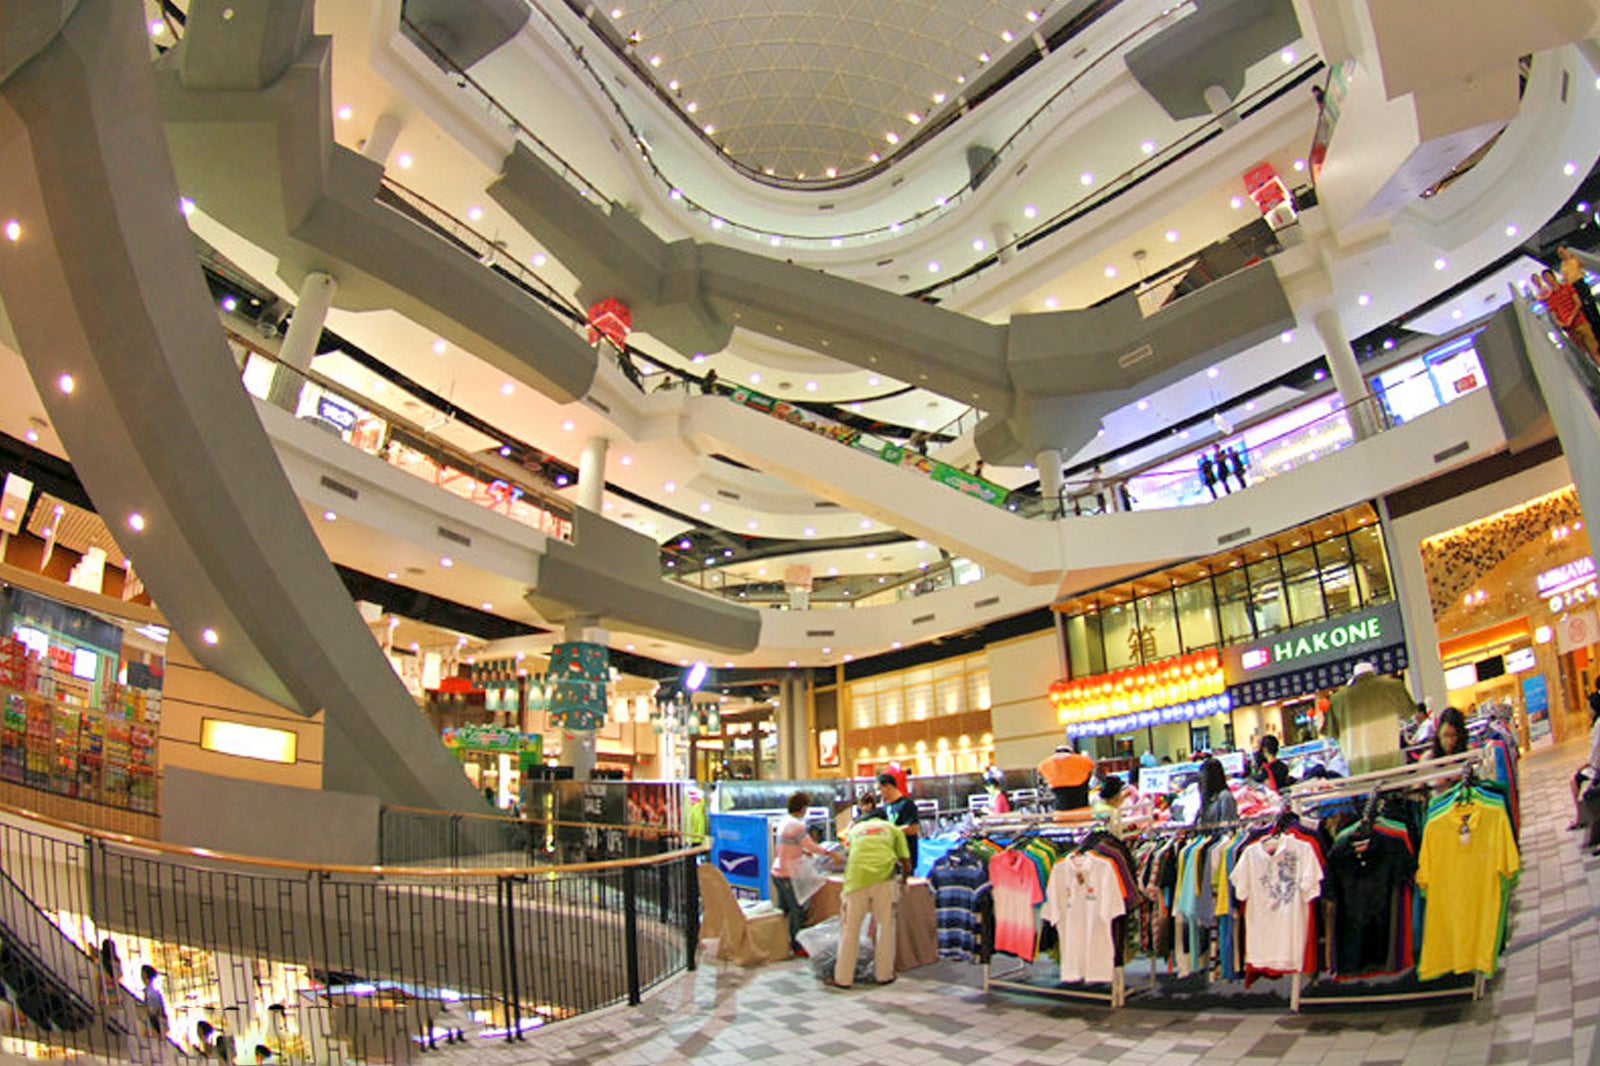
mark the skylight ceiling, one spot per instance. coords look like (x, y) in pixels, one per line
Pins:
(820, 88)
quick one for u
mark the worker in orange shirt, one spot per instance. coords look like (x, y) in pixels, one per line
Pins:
(1067, 772)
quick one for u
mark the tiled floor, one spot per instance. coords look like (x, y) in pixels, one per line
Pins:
(1542, 1008)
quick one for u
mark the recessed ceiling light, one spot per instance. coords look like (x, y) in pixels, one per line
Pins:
(874, 158)
(14, 229)
(507, 388)
(692, 106)
(1251, 406)
(979, 244)
(1007, 36)
(487, 606)
(344, 112)
(671, 486)
(539, 259)
(811, 386)
(705, 506)
(1236, 203)
(1172, 236)
(1512, 231)
(446, 562)
(1288, 56)
(1570, 169)
(655, 61)
(1051, 303)
(892, 137)
(562, 481)
(32, 436)
(616, 13)
(938, 98)
(329, 516)
(810, 532)
(1111, 271)
(1364, 299)
(66, 384)
(157, 27)
(856, 406)
(136, 522)
(1030, 211)
(505, 450)
(626, 460)
(775, 241)
(403, 160)
(933, 266)
(209, 636)
(391, 575)
(474, 212)
(913, 118)
(1086, 178)
(1148, 147)
(1456, 314)
(1287, 336)
(1440, 263)
(872, 381)
(752, 525)
(567, 425)
(1388, 344)
(1144, 405)
(229, 303)
(755, 378)
(983, 57)
(1212, 372)
(440, 346)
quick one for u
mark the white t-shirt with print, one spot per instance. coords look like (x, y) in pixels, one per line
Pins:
(1277, 877)
(1083, 897)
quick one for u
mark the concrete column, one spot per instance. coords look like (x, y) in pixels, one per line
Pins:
(1003, 236)
(794, 735)
(577, 745)
(592, 474)
(380, 142)
(1347, 377)
(300, 344)
(1048, 463)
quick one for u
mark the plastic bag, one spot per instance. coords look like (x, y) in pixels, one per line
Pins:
(810, 874)
(821, 942)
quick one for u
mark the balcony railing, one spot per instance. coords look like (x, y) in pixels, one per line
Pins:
(323, 964)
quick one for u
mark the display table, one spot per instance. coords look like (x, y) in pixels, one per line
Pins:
(916, 923)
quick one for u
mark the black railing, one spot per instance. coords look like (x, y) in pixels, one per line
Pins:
(317, 963)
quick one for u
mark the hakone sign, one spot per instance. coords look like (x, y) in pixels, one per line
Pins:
(1324, 642)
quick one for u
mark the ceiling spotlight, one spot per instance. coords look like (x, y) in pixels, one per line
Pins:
(655, 61)
(474, 213)
(539, 259)
(1148, 147)
(440, 346)
(775, 241)
(185, 205)
(933, 266)
(1051, 303)
(487, 606)
(1030, 211)
(811, 386)
(505, 451)
(446, 562)
(872, 381)
(938, 98)
(626, 460)
(507, 389)
(344, 113)
(13, 231)
(671, 486)
(892, 137)
(1144, 405)
(1236, 203)
(1086, 178)
(1512, 231)
(705, 507)
(329, 516)
(1111, 271)
(832, 172)
(913, 118)
(1287, 336)
(979, 244)
(1388, 344)
(1212, 372)
(1570, 169)
(404, 160)
(1364, 299)
(1288, 56)
(209, 636)
(229, 303)
(983, 57)
(1172, 236)
(567, 425)
(66, 384)
(755, 378)
(136, 522)
(810, 532)
(1440, 263)
(752, 525)
(1299, 165)
(157, 27)
(31, 436)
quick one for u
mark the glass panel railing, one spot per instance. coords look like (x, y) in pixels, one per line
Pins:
(398, 441)
(831, 593)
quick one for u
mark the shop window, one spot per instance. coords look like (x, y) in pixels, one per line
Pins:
(1200, 738)
(1339, 589)
(1371, 566)
(1266, 596)
(863, 705)
(978, 689)
(1197, 616)
(1303, 588)
(1121, 641)
(1158, 626)
(891, 704)
(1086, 653)
(919, 695)
(950, 688)
(1233, 606)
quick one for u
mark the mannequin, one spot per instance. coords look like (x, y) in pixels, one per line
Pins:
(1067, 773)
(1365, 717)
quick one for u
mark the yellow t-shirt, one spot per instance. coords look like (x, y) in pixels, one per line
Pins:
(1468, 855)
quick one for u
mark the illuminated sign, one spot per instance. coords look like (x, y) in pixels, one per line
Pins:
(1174, 690)
(1359, 633)
(1561, 578)
(337, 413)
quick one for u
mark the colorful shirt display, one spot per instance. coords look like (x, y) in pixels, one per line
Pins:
(1017, 891)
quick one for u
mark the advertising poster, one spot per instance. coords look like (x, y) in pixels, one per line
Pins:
(739, 849)
(1536, 701)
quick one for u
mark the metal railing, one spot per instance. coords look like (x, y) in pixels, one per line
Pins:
(407, 445)
(317, 964)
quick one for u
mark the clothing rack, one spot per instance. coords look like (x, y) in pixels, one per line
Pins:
(1116, 996)
(1400, 777)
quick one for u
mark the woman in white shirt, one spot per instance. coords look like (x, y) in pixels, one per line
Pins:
(1589, 771)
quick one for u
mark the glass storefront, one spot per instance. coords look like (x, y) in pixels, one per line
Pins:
(1514, 599)
(932, 719)
(1317, 571)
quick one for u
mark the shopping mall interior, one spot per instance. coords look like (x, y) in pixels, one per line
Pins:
(951, 382)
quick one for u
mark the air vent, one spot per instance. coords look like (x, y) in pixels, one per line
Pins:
(1451, 452)
(990, 602)
(1080, 53)
(1023, 169)
(342, 489)
(1138, 355)
(884, 262)
(921, 618)
(458, 538)
(1238, 534)
(1566, 82)
(597, 405)
(825, 505)
(726, 495)
(819, 632)
(824, 207)
(897, 182)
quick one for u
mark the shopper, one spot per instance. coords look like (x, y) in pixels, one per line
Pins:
(1419, 730)
(1118, 795)
(1561, 300)
(1241, 464)
(1208, 474)
(155, 1005)
(205, 1040)
(794, 844)
(1589, 772)
(708, 384)
(1574, 274)
(110, 972)
(994, 780)
(1269, 769)
(1450, 736)
(1067, 773)
(901, 810)
(876, 858)
(1217, 805)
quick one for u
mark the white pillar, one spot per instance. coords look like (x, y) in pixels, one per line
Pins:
(592, 474)
(1003, 236)
(380, 142)
(1347, 377)
(310, 315)
(1048, 462)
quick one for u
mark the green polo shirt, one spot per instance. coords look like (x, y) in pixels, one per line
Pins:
(873, 850)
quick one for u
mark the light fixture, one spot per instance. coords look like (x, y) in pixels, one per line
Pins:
(983, 57)
(440, 346)
(1144, 405)
(933, 266)
(755, 378)
(1086, 178)
(1030, 211)
(446, 562)
(626, 460)
(1172, 236)
(1388, 344)
(1236, 202)
(487, 606)
(1512, 231)
(567, 425)
(32, 436)
(705, 507)
(692, 106)
(229, 303)
(872, 381)
(344, 112)
(1212, 372)
(1111, 271)
(832, 172)
(811, 386)
(507, 388)
(505, 451)
(1299, 165)
(1051, 303)
(1570, 169)
(1287, 336)
(1148, 147)
(810, 532)
(136, 522)
(1456, 314)
(209, 636)
(14, 230)
(157, 27)
(913, 118)
(892, 137)
(391, 575)
(1364, 299)
(1440, 263)
(752, 525)
(866, 523)
(474, 212)
(539, 259)
(979, 244)
(1288, 56)
(66, 384)
(775, 240)
(671, 486)
(403, 160)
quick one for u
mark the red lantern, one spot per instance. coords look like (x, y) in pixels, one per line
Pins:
(611, 319)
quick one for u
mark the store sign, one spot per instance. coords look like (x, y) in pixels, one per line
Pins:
(1562, 578)
(1340, 638)
(739, 849)
(492, 738)
(337, 413)
(1176, 777)
(1576, 630)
